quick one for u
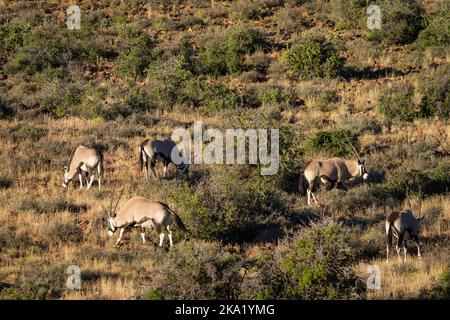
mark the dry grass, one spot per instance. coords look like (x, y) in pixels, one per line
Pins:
(36, 204)
(404, 280)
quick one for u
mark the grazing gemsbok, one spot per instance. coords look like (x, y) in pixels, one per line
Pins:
(152, 150)
(333, 171)
(143, 213)
(84, 160)
(397, 223)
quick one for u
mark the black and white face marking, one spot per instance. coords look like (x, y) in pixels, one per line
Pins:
(362, 169)
(111, 227)
(66, 177)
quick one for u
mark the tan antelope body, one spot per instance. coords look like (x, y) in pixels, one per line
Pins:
(144, 213)
(333, 171)
(84, 160)
(399, 223)
(151, 151)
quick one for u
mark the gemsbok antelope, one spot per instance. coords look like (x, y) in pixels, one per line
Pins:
(84, 160)
(143, 213)
(399, 223)
(333, 171)
(151, 151)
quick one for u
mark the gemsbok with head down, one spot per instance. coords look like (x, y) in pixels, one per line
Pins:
(331, 171)
(399, 223)
(151, 151)
(84, 161)
(334, 171)
(143, 213)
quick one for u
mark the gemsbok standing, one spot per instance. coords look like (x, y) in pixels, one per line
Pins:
(144, 213)
(151, 151)
(84, 160)
(331, 171)
(399, 223)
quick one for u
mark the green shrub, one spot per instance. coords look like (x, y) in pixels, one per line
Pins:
(437, 28)
(271, 96)
(219, 97)
(401, 22)
(225, 54)
(348, 14)
(42, 49)
(435, 91)
(12, 36)
(135, 53)
(397, 103)
(60, 99)
(429, 181)
(326, 100)
(318, 264)
(187, 56)
(313, 57)
(138, 100)
(172, 85)
(195, 213)
(440, 288)
(92, 102)
(53, 47)
(334, 143)
(197, 270)
(230, 203)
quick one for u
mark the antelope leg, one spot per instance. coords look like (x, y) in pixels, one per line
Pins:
(161, 238)
(314, 198)
(170, 235)
(400, 243)
(81, 180)
(153, 171)
(90, 181)
(120, 236)
(99, 177)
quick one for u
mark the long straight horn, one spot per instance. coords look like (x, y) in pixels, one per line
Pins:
(420, 203)
(353, 148)
(344, 145)
(118, 199)
(112, 198)
(407, 198)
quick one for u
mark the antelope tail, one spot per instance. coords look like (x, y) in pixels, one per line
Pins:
(302, 183)
(141, 161)
(177, 219)
(390, 228)
(389, 233)
(179, 222)
(102, 168)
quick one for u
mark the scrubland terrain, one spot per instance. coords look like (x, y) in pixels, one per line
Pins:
(140, 69)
